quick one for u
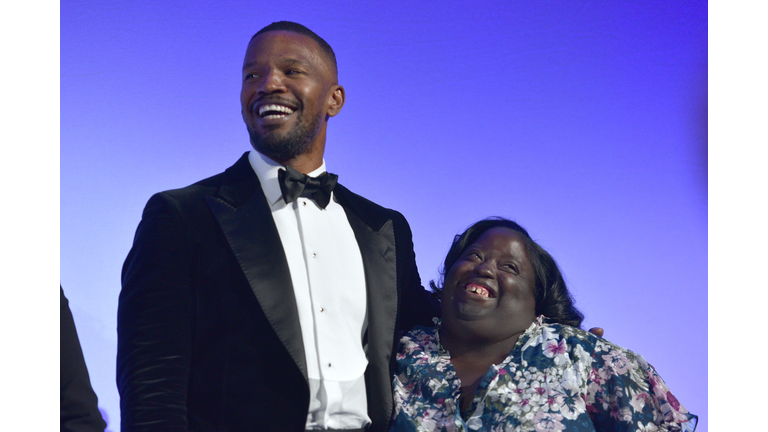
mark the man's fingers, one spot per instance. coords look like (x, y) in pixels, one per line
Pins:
(596, 330)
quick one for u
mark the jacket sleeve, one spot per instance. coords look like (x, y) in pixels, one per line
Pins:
(417, 305)
(79, 405)
(155, 321)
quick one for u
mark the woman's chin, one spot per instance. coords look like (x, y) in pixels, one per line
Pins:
(470, 311)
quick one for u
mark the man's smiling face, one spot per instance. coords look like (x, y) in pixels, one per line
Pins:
(288, 92)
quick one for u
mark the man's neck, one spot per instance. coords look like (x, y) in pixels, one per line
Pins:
(304, 166)
(303, 163)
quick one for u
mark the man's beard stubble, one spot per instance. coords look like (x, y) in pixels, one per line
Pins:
(295, 142)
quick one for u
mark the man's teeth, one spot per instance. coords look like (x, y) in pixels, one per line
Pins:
(274, 111)
(478, 290)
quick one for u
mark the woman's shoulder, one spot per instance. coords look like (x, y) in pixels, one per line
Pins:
(420, 339)
(551, 335)
(592, 349)
(567, 331)
(420, 334)
(545, 330)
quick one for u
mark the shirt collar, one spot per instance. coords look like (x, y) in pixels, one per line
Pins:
(266, 170)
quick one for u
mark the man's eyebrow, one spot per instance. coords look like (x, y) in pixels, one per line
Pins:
(294, 61)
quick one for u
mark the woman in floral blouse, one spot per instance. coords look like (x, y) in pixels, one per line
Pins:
(509, 354)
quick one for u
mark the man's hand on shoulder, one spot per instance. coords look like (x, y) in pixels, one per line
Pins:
(596, 331)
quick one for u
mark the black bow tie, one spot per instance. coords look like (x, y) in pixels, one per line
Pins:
(294, 184)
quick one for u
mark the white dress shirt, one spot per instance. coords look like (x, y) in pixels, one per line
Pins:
(329, 285)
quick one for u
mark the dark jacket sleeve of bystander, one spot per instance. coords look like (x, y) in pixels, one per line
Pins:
(79, 405)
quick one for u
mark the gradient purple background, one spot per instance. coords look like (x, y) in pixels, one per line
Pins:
(585, 121)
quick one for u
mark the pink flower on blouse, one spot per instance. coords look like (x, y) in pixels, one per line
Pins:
(673, 401)
(553, 348)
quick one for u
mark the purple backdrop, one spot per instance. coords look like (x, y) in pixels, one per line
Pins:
(585, 121)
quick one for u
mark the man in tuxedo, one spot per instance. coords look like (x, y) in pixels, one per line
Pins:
(268, 297)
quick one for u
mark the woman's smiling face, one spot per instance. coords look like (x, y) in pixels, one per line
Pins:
(488, 293)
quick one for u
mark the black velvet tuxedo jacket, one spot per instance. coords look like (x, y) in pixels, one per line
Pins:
(79, 404)
(208, 329)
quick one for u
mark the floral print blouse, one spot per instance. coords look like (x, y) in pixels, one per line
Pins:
(556, 378)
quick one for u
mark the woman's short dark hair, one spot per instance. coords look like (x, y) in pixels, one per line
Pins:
(552, 297)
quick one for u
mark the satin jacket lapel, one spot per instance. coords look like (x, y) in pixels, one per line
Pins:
(377, 248)
(245, 218)
(375, 236)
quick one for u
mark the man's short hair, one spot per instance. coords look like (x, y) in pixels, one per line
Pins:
(300, 29)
